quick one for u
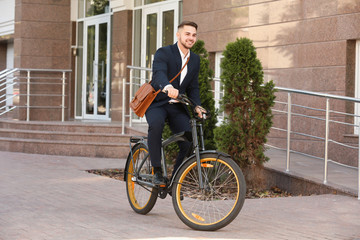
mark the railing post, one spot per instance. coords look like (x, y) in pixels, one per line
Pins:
(130, 94)
(28, 96)
(288, 134)
(123, 106)
(63, 97)
(359, 163)
(326, 140)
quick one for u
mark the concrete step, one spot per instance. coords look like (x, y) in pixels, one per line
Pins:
(86, 139)
(65, 136)
(88, 127)
(65, 148)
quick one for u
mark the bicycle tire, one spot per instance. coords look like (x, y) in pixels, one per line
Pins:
(141, 198)
(222, 198)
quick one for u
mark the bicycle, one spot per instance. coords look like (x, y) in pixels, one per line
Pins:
(208, 189)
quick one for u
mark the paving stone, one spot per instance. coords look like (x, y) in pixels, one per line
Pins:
(52, 197)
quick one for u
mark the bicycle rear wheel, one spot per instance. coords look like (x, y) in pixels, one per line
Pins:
(141, 197)
(219, 202)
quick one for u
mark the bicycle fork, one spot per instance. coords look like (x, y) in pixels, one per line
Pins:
(197, 151)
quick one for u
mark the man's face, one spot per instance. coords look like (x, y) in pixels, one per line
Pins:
(187, 36)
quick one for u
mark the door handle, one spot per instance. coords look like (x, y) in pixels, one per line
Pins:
(102, 71)
(95, 79)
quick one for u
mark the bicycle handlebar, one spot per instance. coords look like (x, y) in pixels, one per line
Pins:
(185, 100)
(182, 98)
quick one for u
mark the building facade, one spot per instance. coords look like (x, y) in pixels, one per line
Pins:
(302, 44)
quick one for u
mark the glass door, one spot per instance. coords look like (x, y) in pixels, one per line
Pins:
(155, 25)
(159, 29)
(96, 68)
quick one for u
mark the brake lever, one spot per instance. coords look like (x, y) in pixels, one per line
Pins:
(185, 100)
(182, 98)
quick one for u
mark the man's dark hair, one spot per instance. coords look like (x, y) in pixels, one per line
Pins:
(188, 23)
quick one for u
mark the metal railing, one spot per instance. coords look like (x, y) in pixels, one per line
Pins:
(6, 85)
(30, 77)
(139, 77)
(290, 113)
(326, 139)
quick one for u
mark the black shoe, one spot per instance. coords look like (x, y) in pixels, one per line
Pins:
(158, 179)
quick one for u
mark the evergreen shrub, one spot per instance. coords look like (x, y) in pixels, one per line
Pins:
(247, 104)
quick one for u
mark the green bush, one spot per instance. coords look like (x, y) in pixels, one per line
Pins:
(247, 103)
(207, 101)
(206, 95)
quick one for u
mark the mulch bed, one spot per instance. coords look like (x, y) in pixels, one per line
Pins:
(274, 192)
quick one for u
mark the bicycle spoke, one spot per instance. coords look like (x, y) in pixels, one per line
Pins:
(141, 197)
(218, 197)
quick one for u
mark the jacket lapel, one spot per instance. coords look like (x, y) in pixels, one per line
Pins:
(189, 70)
(177, 56)
(176, 53)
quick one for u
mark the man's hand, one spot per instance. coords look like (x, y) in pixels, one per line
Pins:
(200, 111)
(172, 92)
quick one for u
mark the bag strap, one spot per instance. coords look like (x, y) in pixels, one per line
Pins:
(176, 74)
(181, 69)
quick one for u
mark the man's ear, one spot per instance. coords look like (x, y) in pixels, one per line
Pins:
(177, 34)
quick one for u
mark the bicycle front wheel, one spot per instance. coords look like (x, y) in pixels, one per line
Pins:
(219, 201)
(141, 197)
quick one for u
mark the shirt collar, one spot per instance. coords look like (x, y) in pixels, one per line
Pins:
(181, 53)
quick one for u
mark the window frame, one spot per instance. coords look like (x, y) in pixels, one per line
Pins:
(218, 92)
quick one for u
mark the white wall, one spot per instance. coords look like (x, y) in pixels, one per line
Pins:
(74, 10)
(7, 16)
(10, 55)
(9, 65)
(120, 5)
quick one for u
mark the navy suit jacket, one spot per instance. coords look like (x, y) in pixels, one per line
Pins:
(167, 63)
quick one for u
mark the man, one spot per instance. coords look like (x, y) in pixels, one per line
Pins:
(168, 61)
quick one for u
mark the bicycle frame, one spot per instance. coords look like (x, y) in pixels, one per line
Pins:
(174, 138)
(207, 189)
(197, 150)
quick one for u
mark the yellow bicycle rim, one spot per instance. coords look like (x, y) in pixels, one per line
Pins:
(200, 219)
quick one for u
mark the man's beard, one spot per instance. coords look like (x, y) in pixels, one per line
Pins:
(184, 44)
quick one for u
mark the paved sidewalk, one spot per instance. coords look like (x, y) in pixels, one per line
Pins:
(52, 197)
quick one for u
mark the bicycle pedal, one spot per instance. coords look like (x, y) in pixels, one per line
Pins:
(162, 194)
(162, 186)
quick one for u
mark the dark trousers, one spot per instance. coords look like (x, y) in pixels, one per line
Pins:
(178, 120)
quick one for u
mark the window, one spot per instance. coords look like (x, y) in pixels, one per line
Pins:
(88, 8)
(154, 27)
(144, 2)
(219, 93)
(155, 24)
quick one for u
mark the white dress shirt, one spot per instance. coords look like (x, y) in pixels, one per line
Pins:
(183, 60)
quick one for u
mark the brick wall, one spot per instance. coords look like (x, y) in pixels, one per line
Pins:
(42, 40)
(302, 44)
